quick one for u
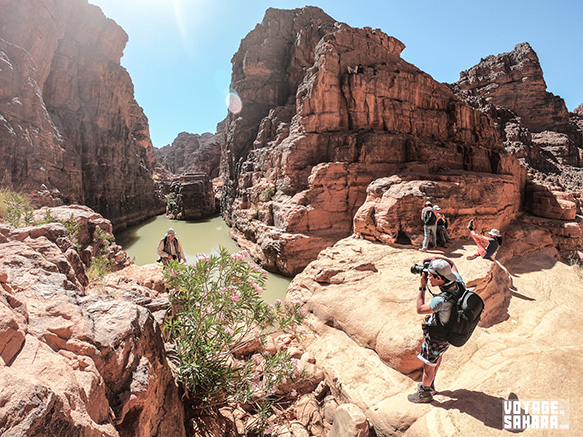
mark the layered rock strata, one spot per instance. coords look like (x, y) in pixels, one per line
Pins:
(515, 81)
(339, 109)
(191, 197)
(193, 153)
(69, 124)
(538, 130)
(78, 360)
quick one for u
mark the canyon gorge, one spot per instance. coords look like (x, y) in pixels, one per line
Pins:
(321, 177)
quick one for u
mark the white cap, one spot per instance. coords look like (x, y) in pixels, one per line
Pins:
(442, 268)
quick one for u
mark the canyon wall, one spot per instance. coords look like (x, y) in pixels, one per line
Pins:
(514, 80)
(327, 110)
(188, 172)
(70, 128)
(193, 153)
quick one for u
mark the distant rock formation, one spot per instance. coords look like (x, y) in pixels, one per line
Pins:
(515, 81)
(69, 123)
(189, 177)
(79, 360)
(191, 197)
(193, 153)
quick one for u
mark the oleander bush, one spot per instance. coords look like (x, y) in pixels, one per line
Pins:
(217, 309)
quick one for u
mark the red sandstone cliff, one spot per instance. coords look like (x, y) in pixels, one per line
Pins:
(515, 81)
(69, 123)
(192, 153)
(315, 131)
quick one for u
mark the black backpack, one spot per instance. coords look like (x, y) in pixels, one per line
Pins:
(429, 217)
(464, 318)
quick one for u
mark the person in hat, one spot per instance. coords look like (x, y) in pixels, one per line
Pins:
(487, 245)
(169, 248)
(429, 219)
(442, 224)
(443, 274)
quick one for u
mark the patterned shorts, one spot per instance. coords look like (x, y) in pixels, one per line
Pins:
(432, 349)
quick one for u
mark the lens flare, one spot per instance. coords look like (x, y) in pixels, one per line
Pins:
(233, 102)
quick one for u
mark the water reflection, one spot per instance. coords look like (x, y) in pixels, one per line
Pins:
(141, 241)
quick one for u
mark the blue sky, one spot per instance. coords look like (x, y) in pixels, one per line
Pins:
(179, 51)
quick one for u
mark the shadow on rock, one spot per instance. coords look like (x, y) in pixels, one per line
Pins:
(486, 408)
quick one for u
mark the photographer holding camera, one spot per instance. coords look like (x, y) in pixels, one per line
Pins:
(442, 273)
(170, 249)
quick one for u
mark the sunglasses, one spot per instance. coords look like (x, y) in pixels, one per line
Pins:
(435, 275)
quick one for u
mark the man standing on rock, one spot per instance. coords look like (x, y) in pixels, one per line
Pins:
(169, 248)
(429, 226)
(442, 273)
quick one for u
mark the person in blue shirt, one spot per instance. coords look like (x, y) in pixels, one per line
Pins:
(487, 245)
(441, 273)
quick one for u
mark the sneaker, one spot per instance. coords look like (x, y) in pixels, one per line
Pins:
(423, 249)
(471, 225)
(471, 257)
(420, 397)
(431, 388)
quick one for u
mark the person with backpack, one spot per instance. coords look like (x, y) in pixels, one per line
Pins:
(429, 219)
(441, 273)
(169, 248)
(442, 224)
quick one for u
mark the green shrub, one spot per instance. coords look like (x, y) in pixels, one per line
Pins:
(100, 263)
(217, 309)
(16, 209)
(267, 194)
(171, 201)
(73, 227)
(48, 218)
(99, 267)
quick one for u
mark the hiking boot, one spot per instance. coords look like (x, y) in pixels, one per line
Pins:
(431, 388)
(474, 256)
(471, 225)
(421, 396)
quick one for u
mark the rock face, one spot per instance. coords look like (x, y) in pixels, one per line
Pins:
(190, 175)
(193, 153)
(78, 360)
(69, 124)
(361, 302)
(328, 110)
(308, 142)
(191, 197)
(515, 81)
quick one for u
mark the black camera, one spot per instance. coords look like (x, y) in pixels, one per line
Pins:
(418, 269)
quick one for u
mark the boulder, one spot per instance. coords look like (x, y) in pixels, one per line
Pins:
(79, 360)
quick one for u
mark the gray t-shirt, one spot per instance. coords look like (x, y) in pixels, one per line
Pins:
(442, 308)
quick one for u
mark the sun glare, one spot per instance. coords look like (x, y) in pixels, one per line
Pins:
(234, 103)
